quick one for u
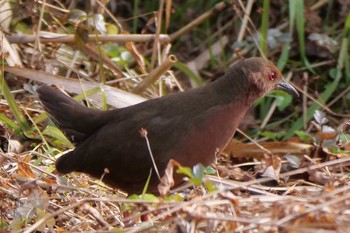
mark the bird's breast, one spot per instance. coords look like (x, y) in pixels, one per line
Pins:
(209, 135)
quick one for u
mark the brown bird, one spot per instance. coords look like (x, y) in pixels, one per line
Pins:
(189, 127)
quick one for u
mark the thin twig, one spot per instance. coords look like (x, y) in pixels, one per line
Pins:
(218, 7)
(253, 141)
(143, 133)
(305, 85)
(245, 19)
(155, 74)
(49, 37)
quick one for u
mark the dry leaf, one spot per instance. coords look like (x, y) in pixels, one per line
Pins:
(319, 177)
(244, 150)
(272, 166)
(130, 46)
(167, 181)
(24, 169)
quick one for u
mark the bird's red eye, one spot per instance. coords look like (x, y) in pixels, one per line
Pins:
(272, 76)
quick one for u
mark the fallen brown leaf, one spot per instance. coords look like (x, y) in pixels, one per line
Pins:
(244, 150)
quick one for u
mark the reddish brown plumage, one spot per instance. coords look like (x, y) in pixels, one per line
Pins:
(188, 127)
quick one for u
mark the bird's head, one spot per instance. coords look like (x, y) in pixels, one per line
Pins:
(263, 77)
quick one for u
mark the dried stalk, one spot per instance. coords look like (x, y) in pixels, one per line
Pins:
(155, 74)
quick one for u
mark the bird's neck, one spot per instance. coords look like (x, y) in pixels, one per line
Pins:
(236, 91)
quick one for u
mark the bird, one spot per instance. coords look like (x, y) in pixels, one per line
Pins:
(190, 127)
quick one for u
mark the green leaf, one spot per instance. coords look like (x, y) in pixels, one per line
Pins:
(111, 29)
(282, 61)
(296, 11)
(344, 138)
(283, 100)
(198, 171)
(9, 123)
(210, 186)
(175, 197)
(269, 135)
(98, 22)
(144, 191)
(209, 170)
(81, 36)
(184, 171)
(57, 134)
(273, 135)
(197, 174)
(15, 110)
(144, 197)
(304, 136)
(76, 16)
(133, 197)
(148, 197)
(112, 50)
(184, 69)
(195, 181)
(264, 27)
(347, 24)
(327, 93)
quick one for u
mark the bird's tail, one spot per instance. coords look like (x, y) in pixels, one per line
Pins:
(66, 163)
(75, 120)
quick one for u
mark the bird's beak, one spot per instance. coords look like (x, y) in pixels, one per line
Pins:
(287, 87)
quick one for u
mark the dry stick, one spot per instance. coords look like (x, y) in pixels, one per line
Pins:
(112, 213)
(338, 97)
(253, 141)
(198, 200)
(288, 218)
(243, 28)
(48, 5)
(155, 74)
(156, 40)
(46, 185)
(320, 104)
(318, 4)
(315, 65)
(301, 170)
(199, 62)
(48, 37)
(95, 214)
(124, 98)
(37, 40)
(143, 133)
(306, 78)
(94, 52)
(49, 216)
(344, 189)
(218, 7)
(243, 184)
(178, 84)
(110, 14)
(63, 210)
(252, 25)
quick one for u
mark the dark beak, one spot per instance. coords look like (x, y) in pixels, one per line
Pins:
(287, 87)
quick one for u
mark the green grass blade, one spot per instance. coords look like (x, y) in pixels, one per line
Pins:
(264, 27)
(282, 61)
(15, 110)
(10, 123)
(324, 97)
(183, 68)
(299, 4)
